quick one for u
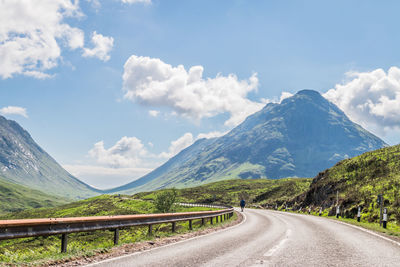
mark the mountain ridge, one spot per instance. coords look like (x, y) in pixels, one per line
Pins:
(299, 137)
(24, 162)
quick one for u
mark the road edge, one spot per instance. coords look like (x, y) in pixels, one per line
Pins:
(371, 232)
(241, 219)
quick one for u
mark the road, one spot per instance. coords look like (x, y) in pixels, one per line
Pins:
(271, 238)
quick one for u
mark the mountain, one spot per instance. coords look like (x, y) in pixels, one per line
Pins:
(16, 197)
(299, 137)
(23, 162)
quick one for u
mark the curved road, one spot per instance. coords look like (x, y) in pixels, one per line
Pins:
(270, 238)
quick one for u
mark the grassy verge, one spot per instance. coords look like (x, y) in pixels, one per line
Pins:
(391, 230)
(40, 250)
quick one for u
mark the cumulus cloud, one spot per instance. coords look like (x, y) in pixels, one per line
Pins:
(13, 110)
(371, 99)
(147, 2)
(152, 82)
(283, 96)
(130, 152)
(28, 34)
(127, 152)
(128, 159)
(178, 145)
(154, 113)
(211, 134)
(33, 33)
(102, 47)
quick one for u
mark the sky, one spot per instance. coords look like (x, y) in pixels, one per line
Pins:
(112, 89)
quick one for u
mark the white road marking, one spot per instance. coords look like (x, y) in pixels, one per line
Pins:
(370, 232)
(279, 245)
(348, 224)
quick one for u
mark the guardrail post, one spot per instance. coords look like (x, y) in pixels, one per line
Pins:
(173, 227)
(190, 225)
(211, 220)
(216, 219)
(202, 222)
(384, 221)
(150, 232)
(116, 236)
(64, 243)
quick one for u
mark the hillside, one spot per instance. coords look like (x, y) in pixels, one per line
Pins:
(24, 162)
(358, 180)
(299, 137)
(17, 197)
(254, 191)
(258, 191)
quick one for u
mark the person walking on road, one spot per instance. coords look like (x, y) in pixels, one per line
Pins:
(242, 204)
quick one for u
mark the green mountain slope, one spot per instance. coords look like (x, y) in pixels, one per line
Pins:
(16, 198)
(300, 137)
(224, 192)
(254, 191)
(23, 162)
(358, 180)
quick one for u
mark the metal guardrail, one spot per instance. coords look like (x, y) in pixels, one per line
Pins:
(214, 206)
(11, 229)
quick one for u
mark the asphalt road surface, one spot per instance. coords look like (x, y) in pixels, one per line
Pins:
(270, 238)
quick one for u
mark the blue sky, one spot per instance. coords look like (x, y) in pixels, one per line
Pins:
(81, 98)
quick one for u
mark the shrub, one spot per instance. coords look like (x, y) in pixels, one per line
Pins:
(164, 200)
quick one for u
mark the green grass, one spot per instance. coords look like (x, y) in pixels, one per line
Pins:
(17, 198)
(43, 249)
(359, 180)
(255, 192)
(39, 250)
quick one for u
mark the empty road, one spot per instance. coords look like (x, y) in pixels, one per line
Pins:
(270, 238)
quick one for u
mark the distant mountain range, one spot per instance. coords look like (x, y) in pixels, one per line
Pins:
(23, 162)
(299, 137)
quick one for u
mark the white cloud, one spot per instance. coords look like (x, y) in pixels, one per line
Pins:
(102, 47)
(371, 99)
(178, 145)
(33, 33)
(12, 110)
(146, 2)
(29, 31)
(128, 159)
(152, 82)
(283, 96)
(211, 135)
(154, 113)
(127, 152)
